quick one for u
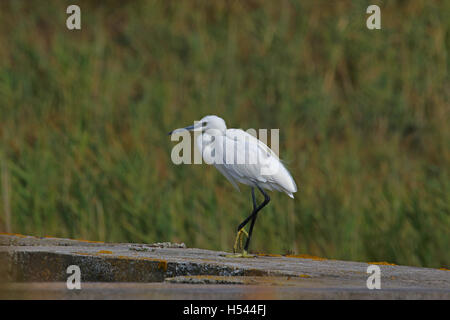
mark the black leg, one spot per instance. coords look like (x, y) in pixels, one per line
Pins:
(244, 223)
(254, 199)
(254, 215)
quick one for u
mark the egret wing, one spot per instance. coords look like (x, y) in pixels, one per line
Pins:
(260, 171)
(229, 177)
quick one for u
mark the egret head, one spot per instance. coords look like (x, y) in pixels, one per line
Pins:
(206, 123)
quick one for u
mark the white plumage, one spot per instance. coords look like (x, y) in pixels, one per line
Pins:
(242, 158)
(260, 165)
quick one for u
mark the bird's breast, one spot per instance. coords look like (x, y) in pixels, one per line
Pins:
(208, 147)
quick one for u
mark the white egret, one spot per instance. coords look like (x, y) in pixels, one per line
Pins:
(242, 158)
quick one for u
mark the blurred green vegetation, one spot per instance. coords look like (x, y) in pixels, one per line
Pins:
(363, 118)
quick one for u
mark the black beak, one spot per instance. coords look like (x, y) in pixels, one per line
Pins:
(189, 128)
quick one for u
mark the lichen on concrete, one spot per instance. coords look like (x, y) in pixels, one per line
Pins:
(31, 259)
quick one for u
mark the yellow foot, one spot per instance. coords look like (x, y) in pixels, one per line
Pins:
(244, 254)
(238, 241)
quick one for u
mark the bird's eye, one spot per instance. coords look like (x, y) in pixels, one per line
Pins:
(204, 123)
